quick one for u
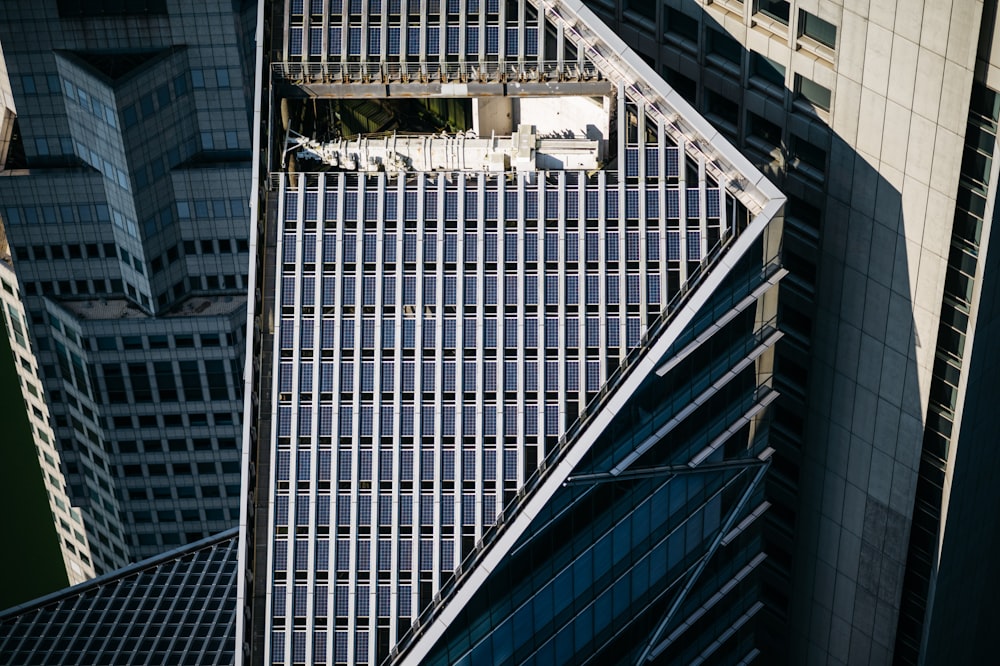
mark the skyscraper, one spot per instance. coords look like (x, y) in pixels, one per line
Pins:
(515, 334)
(125, 200)
(67, 519)
(853, 457)
(878, 120)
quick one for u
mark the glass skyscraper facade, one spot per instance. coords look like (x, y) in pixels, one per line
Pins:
(537, 267)
(125, 200)
(468, 214)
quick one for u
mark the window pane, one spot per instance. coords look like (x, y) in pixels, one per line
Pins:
(815, 27)
(765, 130)
(682, 24)
(776, 9)
(723, 45)
(812, 92)
(808, 153)
(767, 69)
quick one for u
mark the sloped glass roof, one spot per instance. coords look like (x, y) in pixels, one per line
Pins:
(177, 608)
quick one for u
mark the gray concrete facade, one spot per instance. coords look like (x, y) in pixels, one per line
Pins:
(862, 116)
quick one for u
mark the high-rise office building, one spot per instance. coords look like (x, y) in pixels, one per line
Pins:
(515, 333)
(862, 543)
(67, 519)
(879, 121)
(124, 195)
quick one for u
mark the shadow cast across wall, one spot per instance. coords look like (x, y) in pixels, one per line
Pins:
(849, 425)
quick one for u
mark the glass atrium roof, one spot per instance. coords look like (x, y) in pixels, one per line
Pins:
(177, 608)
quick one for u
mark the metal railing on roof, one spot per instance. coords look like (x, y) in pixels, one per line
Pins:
(435, 71)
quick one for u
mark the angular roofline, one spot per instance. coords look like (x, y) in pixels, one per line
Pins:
(555, 473)
(683, 123)
(118, 574)
(734, 172)
(640, 85)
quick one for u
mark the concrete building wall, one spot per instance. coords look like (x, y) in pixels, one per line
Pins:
(68, 520)
(880, 159)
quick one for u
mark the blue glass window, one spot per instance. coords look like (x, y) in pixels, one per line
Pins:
(713, 203)
(632, 288)
(633, 327)
(611, 248)
(572, 376)
(653, 288)
(531, 41)
(295, 41)
(492, 40)
(614, 332)
(315, 41)
(531, 419)
(652, 205)
(406, 420)
(490, 289)
(471, 247)
(551, 420)
(613, 289)
(692, 203)
(531, 376)
(346, 420)
(653, 245)
(632, 162)
(512, 44)
(531, 289)
(694, 245)
(448, 376)
(632, 246)
(453, 40)
(652, 162)
(433, 41)
(531, 332)
(673, 245)
(326, 377)
(612, 204)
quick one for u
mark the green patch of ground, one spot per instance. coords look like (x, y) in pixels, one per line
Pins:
(31, 563)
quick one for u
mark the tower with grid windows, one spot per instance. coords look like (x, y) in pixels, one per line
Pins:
(514, 325)
(124, 189)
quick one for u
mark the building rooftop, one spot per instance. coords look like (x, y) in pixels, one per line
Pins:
(177, 608)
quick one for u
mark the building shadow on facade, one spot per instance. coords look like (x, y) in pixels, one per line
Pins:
(849, 425)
